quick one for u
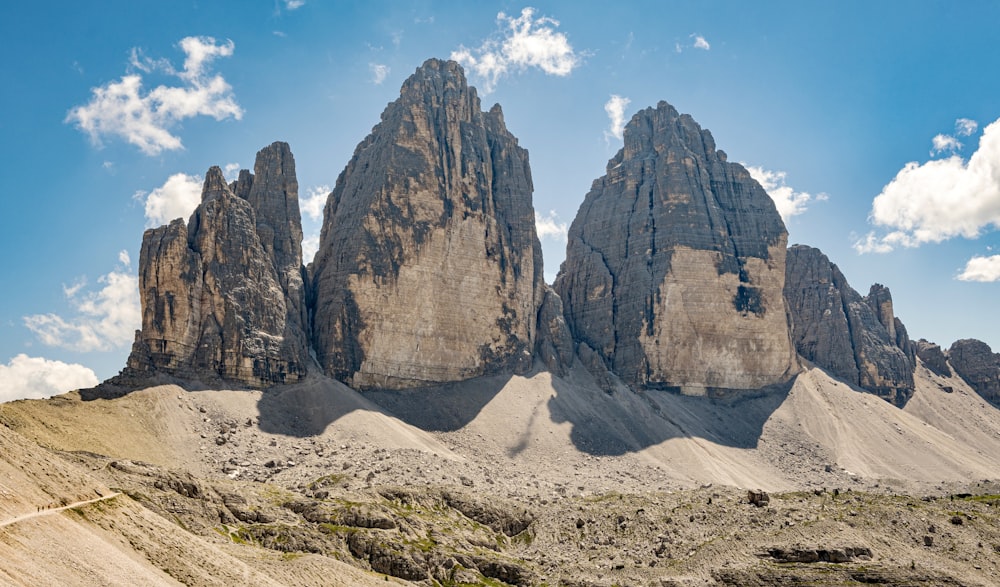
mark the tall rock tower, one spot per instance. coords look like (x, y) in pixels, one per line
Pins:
(429, 268)
(222, 296)
(675, 265)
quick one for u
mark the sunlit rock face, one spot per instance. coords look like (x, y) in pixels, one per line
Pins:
(675, 265)
(429, 268)
(222, 295)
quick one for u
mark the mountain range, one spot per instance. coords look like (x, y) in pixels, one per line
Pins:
(600, 430)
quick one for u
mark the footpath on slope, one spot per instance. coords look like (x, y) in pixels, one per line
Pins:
(47, 512)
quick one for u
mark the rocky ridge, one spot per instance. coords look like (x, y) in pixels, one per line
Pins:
(430, 271)
(979, 366)
(855, 338)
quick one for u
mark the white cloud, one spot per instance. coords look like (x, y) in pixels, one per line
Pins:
(312, 205)
(144, 118)
(379, 72)
(231, 171)
(944, 143)
(124, 258)
(294, 4)
(615, 107)
(701, 43)
(104, 320)
(966, 127)
(522, 42)
(986, 269)
(549, 227)
(176, 198)
(940, 199)
(788, 201)
(27, 377)
(310, 244)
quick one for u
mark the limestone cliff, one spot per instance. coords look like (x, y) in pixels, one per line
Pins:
(979, 366)
(222, 296)
(855, 338)
(675, 265)
(429, 269)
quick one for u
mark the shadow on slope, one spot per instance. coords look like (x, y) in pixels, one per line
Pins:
(521, 411)
(629, 421)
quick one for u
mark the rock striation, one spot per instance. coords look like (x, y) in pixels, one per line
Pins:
(222, 295)
(675, 265)
(857, 339)
(979, 366)
(429, 268)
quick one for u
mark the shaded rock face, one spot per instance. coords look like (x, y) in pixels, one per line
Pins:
(675, 265)
(429, 269)
(222, 296)
(855, 338)
(979, 366)
(933, 357)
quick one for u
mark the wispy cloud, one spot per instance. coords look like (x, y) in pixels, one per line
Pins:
(521, 43)
(615, 108)
(944, 143)
(27, 377)
(310, 244)
(966, 127)
(104, 320)
(696, 42)
(700, 43)
(788, 201)
(379, 72)
(549, 227)
(125, 109)
(940, 199)
(176, 198)
(978, 268)
(294, 4)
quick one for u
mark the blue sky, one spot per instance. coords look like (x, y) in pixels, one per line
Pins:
(870, 123)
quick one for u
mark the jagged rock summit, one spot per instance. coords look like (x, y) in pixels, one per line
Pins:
(222, 295)
(675, 265)
(857, 339)
(429, 268)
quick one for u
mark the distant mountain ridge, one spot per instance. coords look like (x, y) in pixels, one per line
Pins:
(430, 271)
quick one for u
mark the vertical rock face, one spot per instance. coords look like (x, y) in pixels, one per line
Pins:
(222, 296)
(675, 265)
(979, 366)
(855, 338)
(429, 269)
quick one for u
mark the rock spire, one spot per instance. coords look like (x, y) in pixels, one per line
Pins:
(429, 268)
(675, 265)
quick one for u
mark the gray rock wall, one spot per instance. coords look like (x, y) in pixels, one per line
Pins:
(852, 337)
(675, 265)
(429, 269)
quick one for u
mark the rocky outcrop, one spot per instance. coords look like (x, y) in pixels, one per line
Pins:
(979, 366)
(852, 337)
(222, 296)
(675, 265)
(429, 269)
(933, 357)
